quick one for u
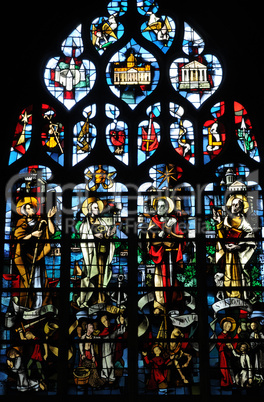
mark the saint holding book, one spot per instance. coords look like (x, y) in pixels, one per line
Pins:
(235, 246)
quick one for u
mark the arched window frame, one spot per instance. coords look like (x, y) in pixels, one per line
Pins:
(197, 177)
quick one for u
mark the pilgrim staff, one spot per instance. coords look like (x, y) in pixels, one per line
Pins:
(41, 223)
(30, 252)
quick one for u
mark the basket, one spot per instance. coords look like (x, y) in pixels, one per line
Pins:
(81, 375)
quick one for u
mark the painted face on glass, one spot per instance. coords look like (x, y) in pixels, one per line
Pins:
(29, 210)
(90, 329)
(227, 326)
(95, 209)
(105, 321)
(236, 206)
(162, 207)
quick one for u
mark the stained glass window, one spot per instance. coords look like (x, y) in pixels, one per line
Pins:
(132, 219)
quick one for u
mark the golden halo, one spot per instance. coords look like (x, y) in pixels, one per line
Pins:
(229, 319)
(169, 201)
(157, 345)
(26, 200)
(240, 197)
(91, 200)
(243, 343)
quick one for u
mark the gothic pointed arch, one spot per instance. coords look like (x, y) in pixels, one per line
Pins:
(132, 214)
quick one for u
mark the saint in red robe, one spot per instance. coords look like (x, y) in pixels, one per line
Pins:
(166, 253)
(225, 354)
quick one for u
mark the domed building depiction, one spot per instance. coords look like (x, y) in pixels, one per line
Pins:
(132, 206)
(131, 73)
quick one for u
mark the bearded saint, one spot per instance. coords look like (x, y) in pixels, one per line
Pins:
(236, 245)
(31, 232)
(97, 252)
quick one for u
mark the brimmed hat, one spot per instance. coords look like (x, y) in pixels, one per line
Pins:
(50, 328)
(24, 201)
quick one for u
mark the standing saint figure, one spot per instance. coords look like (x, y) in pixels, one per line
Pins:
(236, 245)
(97, 252)
(110, 332)
(165, 249)
(225, 345)
(31, 233)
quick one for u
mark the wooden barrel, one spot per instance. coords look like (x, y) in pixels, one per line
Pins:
(81, 375)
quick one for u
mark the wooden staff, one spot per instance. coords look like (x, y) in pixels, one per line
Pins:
(34, 260)
(55, 133)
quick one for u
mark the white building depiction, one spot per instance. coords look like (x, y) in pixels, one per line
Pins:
(194, 76)
(71, 76)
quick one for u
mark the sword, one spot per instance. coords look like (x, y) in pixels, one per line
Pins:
(24, 327)
(170, 264)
